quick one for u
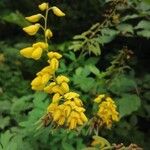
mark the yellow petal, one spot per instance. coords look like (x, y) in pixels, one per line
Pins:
(32, 29)
(57, 11)
(83, 117)
(27, 52)
(37, 53)
(56, 89)
(64, 86)
(73, 124)
(48, 89)
(71, 95)
(43, 6)
(54, 55)
(48, 33)
(54, 64)
(34, 18)
(36, 81)
(56, 98)
(61, 121)
(56, 115)
(45, 78)
(61, 79)
(41, 45)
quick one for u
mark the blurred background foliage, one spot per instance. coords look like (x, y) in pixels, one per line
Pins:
(115, 61)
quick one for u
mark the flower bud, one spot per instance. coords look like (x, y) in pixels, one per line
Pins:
(43, 6)
(57, 11)
(34, 18)
(32, 29)
(48, 33)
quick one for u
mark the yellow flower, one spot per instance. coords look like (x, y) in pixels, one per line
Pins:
(34, 18)
(99, 98)
(52, 107)
(57, 11)
(36, 84)
(54, 64)
(37, 53)
(71, 95)
(107, 112)
(62, 78)
(41, 45)
(64, 86)
(40, 81)
(32, 29)
(54, 55)
(43, 6)
(48, 88)
(45, 70)
(48, 33)
(56, 98)
(27, 52)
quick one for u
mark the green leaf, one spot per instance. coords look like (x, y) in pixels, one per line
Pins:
(122, 84)
(4, 121)
(125, 28)
(94, 47)
(94, 70)
(144, 24)
(128, 104)
(16, 18)
(144, 33)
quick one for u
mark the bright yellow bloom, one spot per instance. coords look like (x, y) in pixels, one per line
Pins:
(34, 18)
(48, 88)
(65, 87)
(54, 55)
(37, 53)
(52, 107)
(40, 81)
(99, 98)
(107, 112)
(57, 11)
(41, 45)
(48, 33)
(71, 95)
(62, 78)
(54, 64)
(45, 70)
(43, 6)
(27, 52)
(56, 98)
(32, 29)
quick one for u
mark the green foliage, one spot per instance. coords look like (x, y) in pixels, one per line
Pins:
(109, 70)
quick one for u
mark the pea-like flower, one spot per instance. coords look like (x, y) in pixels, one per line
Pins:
(32, 29)
(57, 11)
(43, 6)
(34, 18)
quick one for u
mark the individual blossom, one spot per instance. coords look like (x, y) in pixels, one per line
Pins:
(42, 79)
(32, 29)
(34, 52)
(34, 18)
(57, 11)
(53, 60)
(48, 33)
(43, 6)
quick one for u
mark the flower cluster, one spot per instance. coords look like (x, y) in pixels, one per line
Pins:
(66, 108)
(107, 112)
(70, 113)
